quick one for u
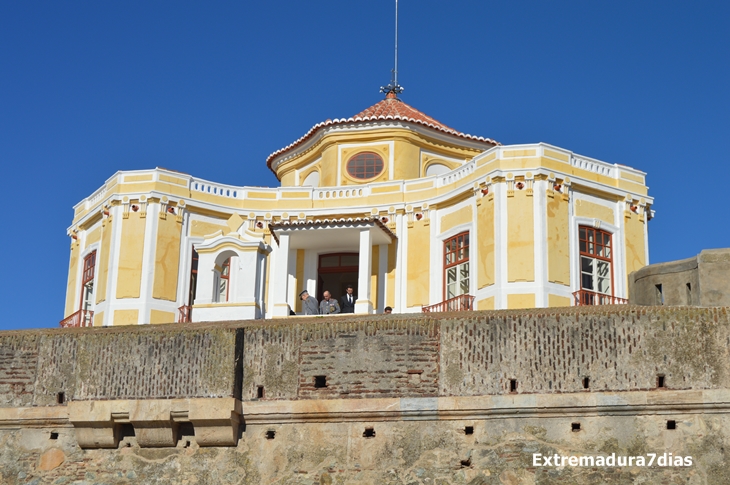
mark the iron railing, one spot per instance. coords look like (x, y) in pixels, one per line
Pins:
(82, 318)
(587, 298)
(185, 314)
(457, 304)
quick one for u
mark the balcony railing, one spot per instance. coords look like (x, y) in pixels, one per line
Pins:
(457, 304)
(185, 314)
(82, 318)
(586, 298)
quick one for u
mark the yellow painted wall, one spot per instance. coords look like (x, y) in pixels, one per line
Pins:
(158, 316)
(328, 173)
(167, 259)
(584, 208)
(300, 284)
(126, 317)
(407, 160)
(346, 153)
(456, 218)
(635, 252)
(419, 245)
(558, 240)
(520, 237)
(485, 244)
(102, 261)
(390, 293)
(129, 272)
(556, 301)
(93, 236)
(374, 265)
(521, 300)
(486, 303)
(202, 228)
(407, 154)
(98, 319)
(71, 290)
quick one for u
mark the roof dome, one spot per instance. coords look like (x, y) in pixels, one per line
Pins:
(390, 108)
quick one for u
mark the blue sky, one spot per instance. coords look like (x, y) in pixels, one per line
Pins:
(212, 88)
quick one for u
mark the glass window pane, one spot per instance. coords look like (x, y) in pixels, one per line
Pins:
(583, 247)
(586, 265)
(451, 275)
(586, 281)
(329, 261)
(607, 252)
(451, 291)
(604, 286)
(604, 269)
(350, 260)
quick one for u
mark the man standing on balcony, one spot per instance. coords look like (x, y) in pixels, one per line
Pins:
(348, 300)
(329, 305)
(309, 304)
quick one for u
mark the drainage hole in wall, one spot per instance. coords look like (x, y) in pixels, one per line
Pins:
(270, 434)
(469, 430)
(575, 427)
(369, 433)
(54, 435)
(320, 382)
(671, 424)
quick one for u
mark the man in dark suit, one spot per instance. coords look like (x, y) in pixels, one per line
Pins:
(347, 302)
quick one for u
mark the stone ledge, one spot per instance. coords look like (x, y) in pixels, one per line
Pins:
(488, 407)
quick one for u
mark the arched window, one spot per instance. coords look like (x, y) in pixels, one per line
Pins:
(456, 266)
(87, 281)
(596, 265)
(365, 165)
(224, 281)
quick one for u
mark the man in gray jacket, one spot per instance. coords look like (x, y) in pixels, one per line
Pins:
(329, 305)
(309, 304)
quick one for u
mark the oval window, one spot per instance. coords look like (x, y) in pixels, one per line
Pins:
(365, 165)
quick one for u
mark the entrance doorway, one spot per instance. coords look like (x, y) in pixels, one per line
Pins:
(335, 272)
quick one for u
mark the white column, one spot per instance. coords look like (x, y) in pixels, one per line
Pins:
(281, 277)
(206, 279)
(364, 303)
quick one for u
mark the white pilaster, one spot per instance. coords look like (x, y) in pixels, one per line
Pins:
(364, 302)
(281, 277)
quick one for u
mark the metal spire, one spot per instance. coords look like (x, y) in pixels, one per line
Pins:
(394, 88)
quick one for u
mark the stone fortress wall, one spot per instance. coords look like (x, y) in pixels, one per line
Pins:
(699, 281)
(409, 399)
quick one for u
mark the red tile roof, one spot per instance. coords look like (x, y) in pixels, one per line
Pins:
(391, 108)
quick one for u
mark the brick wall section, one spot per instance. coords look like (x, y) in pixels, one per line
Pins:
(271, 360)
(171, 361)
(165, 364)
(57, 359)
(18, 363)
(618, 348)
(387, 358)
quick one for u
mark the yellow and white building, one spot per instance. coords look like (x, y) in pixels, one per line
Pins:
(410, 211)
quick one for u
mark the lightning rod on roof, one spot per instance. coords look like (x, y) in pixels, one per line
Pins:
(394, 87)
